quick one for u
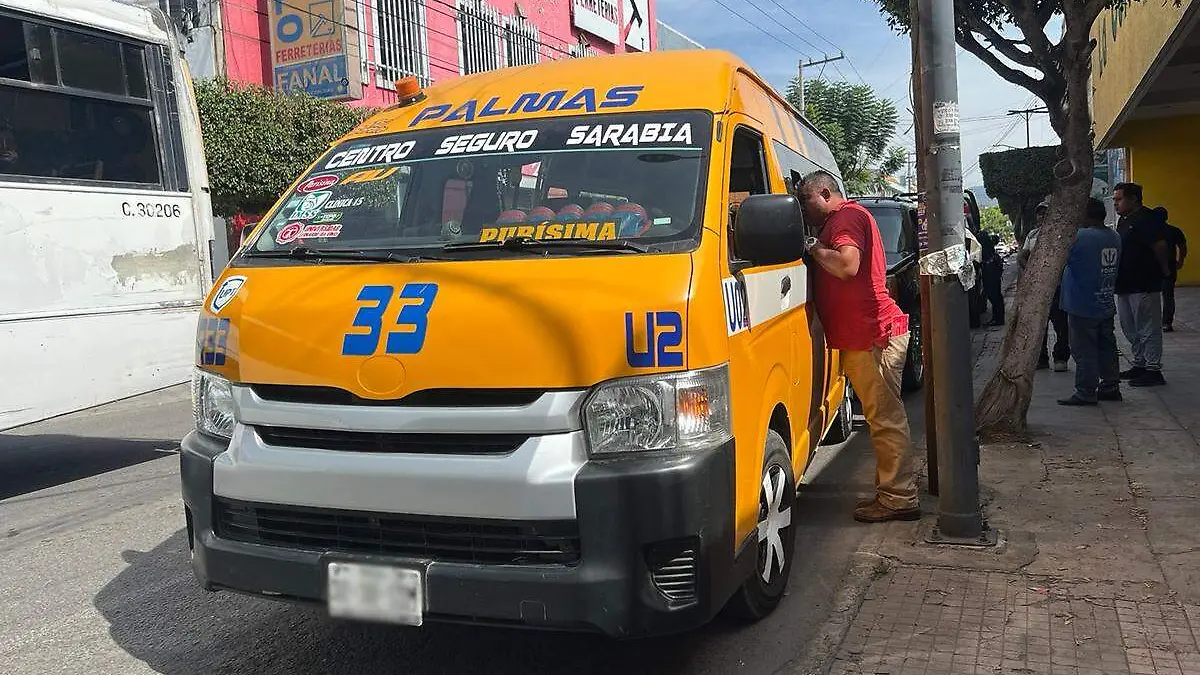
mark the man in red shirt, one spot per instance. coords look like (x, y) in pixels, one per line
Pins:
(866, 325)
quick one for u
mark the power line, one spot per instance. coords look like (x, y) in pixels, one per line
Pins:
(817, 33)
(810, 28)
(760, 28)
(777, 22)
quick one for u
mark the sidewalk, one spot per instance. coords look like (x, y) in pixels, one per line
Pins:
(1098, 567)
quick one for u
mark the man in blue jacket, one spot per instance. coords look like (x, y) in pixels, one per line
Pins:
(1087, 297)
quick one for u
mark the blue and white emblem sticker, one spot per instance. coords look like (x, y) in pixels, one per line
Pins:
(225, 293)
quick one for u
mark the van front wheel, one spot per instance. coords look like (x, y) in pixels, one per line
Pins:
(761, 593)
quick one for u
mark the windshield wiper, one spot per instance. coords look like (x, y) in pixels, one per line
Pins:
(322, 254)
(529, 243)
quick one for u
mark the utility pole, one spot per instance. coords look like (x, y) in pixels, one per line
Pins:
(810, 64)
(1027, 112)
(931, 444)
(960, 520)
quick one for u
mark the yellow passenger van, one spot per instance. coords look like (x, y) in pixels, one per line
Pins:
(534, 348)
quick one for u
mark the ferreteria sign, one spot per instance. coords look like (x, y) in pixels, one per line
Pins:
(311, 49)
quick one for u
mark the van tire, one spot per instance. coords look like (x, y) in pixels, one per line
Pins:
(843, 422)
(758, 597)
(913, 376)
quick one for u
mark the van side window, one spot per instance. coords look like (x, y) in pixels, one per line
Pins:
(747, 174)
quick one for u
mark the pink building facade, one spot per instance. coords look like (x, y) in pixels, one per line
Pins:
(354, 50)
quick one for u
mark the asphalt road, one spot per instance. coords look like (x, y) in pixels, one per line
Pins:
(95, 578)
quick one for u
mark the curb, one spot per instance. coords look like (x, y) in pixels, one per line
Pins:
(818, 655)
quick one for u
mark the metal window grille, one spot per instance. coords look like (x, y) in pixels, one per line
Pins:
(480, 37)
(521, 40)
(581, 50)
(401, 45)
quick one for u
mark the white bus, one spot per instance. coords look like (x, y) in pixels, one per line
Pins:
(105, 222)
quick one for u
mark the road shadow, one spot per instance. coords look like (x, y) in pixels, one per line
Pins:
(29, 463)
(158, 614)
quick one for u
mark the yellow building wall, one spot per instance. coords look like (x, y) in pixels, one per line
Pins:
(1128, 41)
(1163, 158)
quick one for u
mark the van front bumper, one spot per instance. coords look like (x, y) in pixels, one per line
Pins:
(633, 515)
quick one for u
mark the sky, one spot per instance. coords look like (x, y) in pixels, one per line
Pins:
(773, 42)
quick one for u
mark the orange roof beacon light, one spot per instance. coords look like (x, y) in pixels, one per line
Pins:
(408, 90)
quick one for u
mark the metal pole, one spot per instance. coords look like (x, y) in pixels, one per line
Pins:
(800, 79)
(959, 516)
(1027, 140)
(931, 445)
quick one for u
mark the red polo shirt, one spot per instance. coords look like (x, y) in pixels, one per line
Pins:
(857, 313)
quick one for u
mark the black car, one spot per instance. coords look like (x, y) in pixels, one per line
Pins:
(897, 221)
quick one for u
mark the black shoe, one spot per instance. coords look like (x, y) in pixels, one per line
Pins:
(1043, 365)
(1075, 401)
(1151, 378)
(1133, 373)
(1168, 328)
(1114, 395)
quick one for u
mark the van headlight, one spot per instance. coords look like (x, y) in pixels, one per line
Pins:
(212, 404)
(676, 411)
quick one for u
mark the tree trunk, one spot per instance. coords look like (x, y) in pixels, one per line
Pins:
(1000, 413)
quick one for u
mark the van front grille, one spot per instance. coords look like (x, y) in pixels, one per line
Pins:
(429, 398)
(366, 441)
(461, 540)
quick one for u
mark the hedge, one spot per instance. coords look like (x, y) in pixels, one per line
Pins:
(257, 141)
(1019, 180)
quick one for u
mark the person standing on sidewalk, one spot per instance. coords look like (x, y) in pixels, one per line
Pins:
(1058, 318)
(1087, 298)
(1140, 277)
(870, 330)
(1176, 254)
(993, 274)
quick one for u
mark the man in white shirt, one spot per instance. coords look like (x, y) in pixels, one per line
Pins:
(1058, 318)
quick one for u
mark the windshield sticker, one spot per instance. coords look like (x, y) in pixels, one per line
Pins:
(508, 141)
(660, 335)
(229, 288)
(598, 231)
(387, 153)
(212, 341)
(322, 182)
(328, 217)
(370, 175)
(347, 203)
(310, 206)
(293, 231)
(532, 102)
(630, 135)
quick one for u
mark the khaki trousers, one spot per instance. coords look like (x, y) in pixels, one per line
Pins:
(875, 376)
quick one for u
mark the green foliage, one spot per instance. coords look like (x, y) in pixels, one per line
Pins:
(859, 126)
(257, 141)
(1019, 180)
(993, 221)
(1026, 171)
(993, 12)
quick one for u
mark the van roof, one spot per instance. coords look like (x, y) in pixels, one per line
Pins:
(696, 79)
(140, 19)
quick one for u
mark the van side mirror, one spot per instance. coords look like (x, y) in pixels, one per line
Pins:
(769, 230)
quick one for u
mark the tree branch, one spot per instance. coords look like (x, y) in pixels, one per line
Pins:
(967, 41)
(1003, 45)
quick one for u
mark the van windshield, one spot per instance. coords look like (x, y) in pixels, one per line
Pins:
(467, 190)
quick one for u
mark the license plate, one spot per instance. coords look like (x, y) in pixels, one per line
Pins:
(376, 593)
